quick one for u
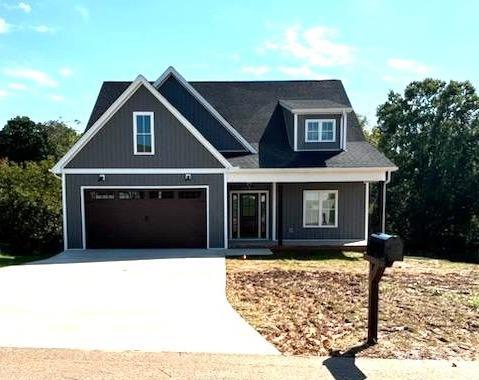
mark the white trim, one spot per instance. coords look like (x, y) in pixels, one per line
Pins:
(273, 212)
(320, 209)
(303, 111)
(295, 116)
(345, 129)
(230, 193)
(143, 171)
(140, 80)
(307, 175)
(135, 133)
(171, 71)
(225, 211)
(64, 212)
(106, 187)
(320, 130)
(366, 210)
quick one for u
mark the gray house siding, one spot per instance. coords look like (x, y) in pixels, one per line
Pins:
(351, 209)
(289, 123)
(199, 116)
(303, 145)
(73, 183)
(175, 146)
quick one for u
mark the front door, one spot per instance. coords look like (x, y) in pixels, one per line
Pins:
(249, 214)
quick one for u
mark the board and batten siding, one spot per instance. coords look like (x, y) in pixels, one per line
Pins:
(199, 116)
(351, 209)
(74, 182)
(113, 144)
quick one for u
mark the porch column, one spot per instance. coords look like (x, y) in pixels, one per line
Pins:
(382, 205)
(273, 211)
(280, 214)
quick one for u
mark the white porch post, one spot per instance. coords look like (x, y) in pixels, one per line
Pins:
(273, 212)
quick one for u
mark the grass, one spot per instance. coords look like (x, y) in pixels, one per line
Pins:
(316, 304)
(7, 260)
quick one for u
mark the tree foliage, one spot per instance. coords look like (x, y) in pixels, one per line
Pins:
(30, 208)
(24, 140)
(432, 134)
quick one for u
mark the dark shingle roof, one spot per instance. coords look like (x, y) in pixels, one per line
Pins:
(252, 108)
(248, 106)
(359, 154)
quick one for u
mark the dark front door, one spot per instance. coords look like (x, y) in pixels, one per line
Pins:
(249, 215)
(149, 218)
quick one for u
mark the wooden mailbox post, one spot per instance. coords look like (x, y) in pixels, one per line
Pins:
(383, 250)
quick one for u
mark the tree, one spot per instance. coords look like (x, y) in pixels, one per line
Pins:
(60, 138)
(24, 140)
(432, 134)
(30, 208)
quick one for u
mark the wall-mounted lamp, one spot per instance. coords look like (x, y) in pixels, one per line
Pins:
(188, 177)
(101, 178)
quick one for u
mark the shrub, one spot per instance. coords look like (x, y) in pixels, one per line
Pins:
(30, 208)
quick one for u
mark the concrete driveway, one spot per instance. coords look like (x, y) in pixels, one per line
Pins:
(170, 301)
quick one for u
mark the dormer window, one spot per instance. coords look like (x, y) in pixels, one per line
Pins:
(143, 133)
(320, 130)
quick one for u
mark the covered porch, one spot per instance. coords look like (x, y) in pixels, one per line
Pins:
(304, 210)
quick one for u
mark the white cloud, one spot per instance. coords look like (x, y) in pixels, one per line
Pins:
(4, 27)
(56, 97)
(303, 71)
(25, 7)
(65, 72)
(43, 29)
(82, 11)
(17, 86)
(409, 66)
(39, 77)
(3, 93)
(314, 45)
(255, 70)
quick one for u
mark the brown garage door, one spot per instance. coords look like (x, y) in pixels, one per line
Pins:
(166, 218)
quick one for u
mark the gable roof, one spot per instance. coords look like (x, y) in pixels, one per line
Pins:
(115, 105)
(170, 71)
(250, 107)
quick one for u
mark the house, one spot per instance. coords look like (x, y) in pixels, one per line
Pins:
(181, 164)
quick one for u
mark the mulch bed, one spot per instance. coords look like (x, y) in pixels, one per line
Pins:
(322, 312)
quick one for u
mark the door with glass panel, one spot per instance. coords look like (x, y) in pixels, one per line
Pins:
(249, 214)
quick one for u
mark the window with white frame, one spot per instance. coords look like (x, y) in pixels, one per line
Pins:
(320, 208)
(320, 130)
(143, 133)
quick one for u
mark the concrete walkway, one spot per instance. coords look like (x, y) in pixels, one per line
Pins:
(72, 364)
(117, 302)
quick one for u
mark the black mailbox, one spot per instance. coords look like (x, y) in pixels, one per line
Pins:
(385, 247)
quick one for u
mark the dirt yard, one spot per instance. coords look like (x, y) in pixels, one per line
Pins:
(317, 305)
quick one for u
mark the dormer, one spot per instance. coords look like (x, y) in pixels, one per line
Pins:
(316, 125)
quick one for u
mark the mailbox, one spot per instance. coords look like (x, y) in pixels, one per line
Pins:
(384, 247)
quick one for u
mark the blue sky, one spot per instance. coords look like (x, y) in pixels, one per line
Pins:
(55, 54)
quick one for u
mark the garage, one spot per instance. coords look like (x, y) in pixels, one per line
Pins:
(145, 218)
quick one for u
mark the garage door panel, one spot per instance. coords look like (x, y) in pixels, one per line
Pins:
(149, 222)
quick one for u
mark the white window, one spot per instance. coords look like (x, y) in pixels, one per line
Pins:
(320, 130)
(143, 133)
(320, 208)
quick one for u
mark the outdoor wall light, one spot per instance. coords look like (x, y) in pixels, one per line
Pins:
(101, 178)
(188, 177)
